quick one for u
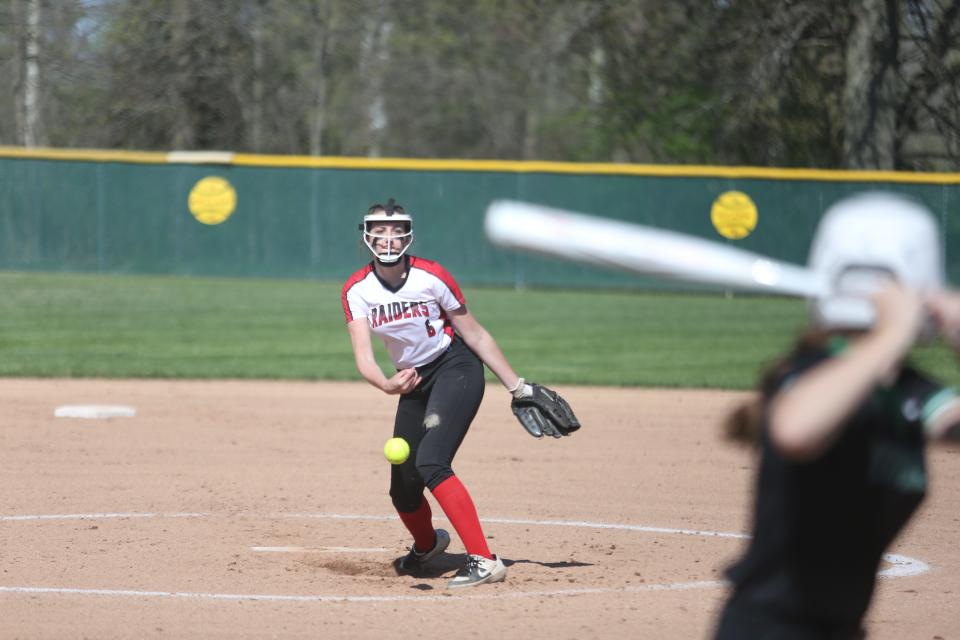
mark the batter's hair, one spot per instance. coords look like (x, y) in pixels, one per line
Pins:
(745, 423)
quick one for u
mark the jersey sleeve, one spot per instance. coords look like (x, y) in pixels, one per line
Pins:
(447, 291)
(926, 394)
(448, 298)
(353, 304)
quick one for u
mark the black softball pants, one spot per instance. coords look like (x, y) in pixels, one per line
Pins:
(433, 419)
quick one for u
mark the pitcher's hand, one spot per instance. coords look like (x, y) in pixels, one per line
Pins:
(405, 381)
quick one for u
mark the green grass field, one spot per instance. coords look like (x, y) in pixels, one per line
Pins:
(180, 327)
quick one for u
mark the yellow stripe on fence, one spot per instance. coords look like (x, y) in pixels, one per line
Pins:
(497, 166)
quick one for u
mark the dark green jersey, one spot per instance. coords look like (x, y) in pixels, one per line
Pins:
(821, 527)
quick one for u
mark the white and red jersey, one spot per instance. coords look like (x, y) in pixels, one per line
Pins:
(411, 319)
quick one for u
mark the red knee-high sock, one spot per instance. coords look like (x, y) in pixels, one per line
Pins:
(419, 524)
(456, 503)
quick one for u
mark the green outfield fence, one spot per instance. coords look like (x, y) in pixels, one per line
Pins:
(296, 217)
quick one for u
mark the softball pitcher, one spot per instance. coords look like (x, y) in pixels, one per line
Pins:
(842, 423)
(439, 349)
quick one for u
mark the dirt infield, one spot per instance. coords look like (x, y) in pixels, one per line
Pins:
(259, 509)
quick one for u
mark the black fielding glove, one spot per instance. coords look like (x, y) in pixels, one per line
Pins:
(542, 411)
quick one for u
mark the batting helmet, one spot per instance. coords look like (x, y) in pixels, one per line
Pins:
(863, 240)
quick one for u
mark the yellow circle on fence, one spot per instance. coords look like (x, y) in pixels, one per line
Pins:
(212, 200)
(734, 215)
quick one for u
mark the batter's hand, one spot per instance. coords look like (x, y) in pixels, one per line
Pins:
(944, 306)
(405, 381)
(900, 314)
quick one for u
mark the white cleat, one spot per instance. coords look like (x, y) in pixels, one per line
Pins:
(479, 570)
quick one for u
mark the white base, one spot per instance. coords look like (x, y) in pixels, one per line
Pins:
(94, 411)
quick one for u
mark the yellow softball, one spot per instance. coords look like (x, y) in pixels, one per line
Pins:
(396, 450)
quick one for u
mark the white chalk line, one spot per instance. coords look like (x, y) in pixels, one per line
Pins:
(902, 566)
(320, 549)
(103, 516)
(193, 595)
(580, 524)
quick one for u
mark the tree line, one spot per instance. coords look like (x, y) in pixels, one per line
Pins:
(871, 84)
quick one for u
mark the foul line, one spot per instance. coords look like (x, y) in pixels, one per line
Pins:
(902, 566)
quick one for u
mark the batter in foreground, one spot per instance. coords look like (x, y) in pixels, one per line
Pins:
(842, 423)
